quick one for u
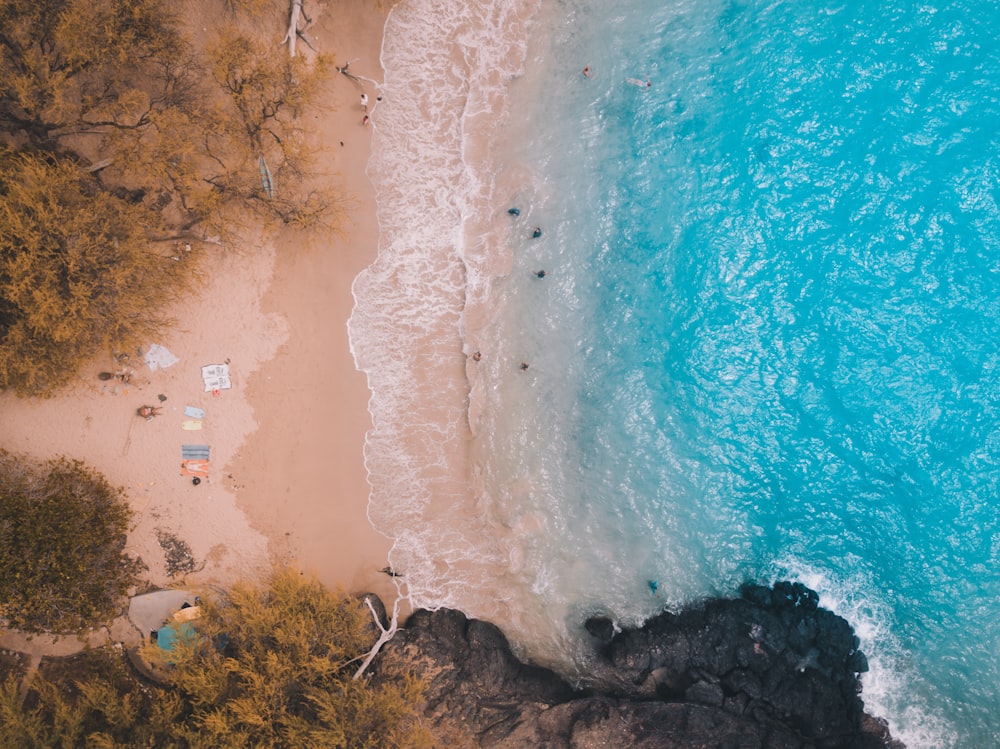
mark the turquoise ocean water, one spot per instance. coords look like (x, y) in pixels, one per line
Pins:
(767, 344)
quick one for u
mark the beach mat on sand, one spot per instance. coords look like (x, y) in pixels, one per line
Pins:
(191, 424)
(194, 452)
(194, 412)
(216, 377)
(197, 468)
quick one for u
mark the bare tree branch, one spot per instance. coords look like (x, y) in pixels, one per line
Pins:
(387, 634)
(293, 27)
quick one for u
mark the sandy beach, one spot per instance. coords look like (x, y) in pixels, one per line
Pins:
(287, 482)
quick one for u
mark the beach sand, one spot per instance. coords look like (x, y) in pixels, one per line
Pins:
(312, 404)
(287, 482)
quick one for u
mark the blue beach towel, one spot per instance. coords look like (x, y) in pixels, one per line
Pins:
(194, 452)
(194, 413)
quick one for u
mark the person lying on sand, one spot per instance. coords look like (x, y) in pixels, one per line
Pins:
(148, 412)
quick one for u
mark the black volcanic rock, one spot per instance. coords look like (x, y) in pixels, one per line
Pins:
(768, 669)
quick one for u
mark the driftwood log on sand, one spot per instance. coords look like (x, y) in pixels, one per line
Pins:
(294, 32)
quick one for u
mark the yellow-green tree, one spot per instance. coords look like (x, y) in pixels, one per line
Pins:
(104, 709)
(270, 668)
(78, 67)
(62, 536)
(126, 131)
(273, 669)
(76, 272)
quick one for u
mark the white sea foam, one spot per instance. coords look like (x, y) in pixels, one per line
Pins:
(889, 685)
(447, 68)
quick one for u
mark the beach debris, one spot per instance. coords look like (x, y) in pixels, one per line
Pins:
(177, 553)
(391, 572)
(216, 377)
(158, 357)
(161, 397)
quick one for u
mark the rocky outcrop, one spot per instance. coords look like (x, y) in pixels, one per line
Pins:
(768, 669)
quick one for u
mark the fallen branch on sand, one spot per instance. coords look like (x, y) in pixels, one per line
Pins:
(294, 32)
(345, 70)
(387, 633)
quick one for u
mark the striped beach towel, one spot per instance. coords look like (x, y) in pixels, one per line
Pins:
(194, 452)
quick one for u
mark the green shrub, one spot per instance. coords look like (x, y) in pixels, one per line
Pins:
(62, 539)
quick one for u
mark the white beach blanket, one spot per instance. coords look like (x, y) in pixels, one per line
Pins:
(158, 357)
(216, 377)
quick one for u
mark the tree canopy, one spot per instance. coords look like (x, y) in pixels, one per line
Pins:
(271, 669)
(117, 128)
(76, 274)
(62, 537)
(283, 677)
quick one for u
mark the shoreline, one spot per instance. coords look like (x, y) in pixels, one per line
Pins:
(422, 304)
(303, 481)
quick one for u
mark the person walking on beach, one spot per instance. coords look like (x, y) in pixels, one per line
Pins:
(364, 102)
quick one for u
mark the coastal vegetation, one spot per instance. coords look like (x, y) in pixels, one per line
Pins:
(63, 528)
(125, 136)
(271, 667)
